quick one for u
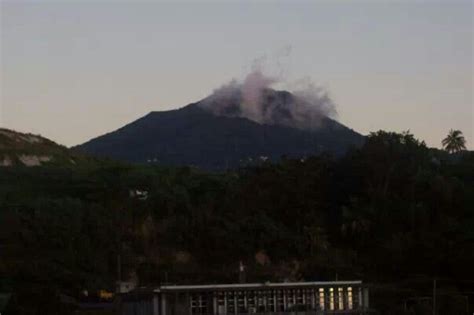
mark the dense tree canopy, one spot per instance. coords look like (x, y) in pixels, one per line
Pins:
(389, 212)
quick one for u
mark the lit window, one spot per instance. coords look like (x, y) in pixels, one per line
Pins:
(321, 298)
(349, 298)
(331, 299)
(340, 297)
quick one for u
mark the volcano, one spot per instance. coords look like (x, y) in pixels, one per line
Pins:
(217, 133)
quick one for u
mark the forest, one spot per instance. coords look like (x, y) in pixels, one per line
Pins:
(393, 213)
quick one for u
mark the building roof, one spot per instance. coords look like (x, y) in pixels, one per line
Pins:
(250, 286)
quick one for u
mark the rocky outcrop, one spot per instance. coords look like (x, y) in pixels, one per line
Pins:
(6, 161)
(25, 160)
(19, 137)
(33, 160)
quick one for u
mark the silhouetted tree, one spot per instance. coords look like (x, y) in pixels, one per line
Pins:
(454, 141)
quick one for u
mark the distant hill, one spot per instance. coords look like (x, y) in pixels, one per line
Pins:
(25, 149)
(196, 136)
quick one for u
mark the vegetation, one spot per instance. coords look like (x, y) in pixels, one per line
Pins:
(25, 149)
(454, 142)
(394, 213)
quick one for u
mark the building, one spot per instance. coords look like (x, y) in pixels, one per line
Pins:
(125, 286)
(335, 297)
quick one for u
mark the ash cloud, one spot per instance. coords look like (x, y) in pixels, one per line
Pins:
(253, 98)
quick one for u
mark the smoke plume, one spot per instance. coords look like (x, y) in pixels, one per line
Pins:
(255, 99)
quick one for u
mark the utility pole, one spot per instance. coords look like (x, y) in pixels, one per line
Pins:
(242, 278)
(119, 268)
(434, 296)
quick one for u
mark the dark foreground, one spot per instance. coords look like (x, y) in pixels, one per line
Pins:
(393, 213)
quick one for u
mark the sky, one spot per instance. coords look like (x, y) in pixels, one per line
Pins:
(73, 70)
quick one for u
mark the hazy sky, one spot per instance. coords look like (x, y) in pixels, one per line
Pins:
(72, 70)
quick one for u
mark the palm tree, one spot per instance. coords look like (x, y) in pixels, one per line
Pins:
(454, 141)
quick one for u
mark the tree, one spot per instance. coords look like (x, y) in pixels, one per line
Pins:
(454, 141)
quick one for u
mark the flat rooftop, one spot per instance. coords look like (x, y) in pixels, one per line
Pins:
(250, 286)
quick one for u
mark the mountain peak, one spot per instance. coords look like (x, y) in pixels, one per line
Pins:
(271, 107)
(225, 129)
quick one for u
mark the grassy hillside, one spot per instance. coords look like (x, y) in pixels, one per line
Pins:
(24, 149)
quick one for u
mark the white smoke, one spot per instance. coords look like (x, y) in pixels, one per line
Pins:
(253, 98)
(252, 89)
(313, 102)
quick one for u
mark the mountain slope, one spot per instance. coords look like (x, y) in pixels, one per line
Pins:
(25, 149)
(196, 136)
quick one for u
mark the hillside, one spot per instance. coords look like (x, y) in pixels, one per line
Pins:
(194, 135)
(26, 149)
